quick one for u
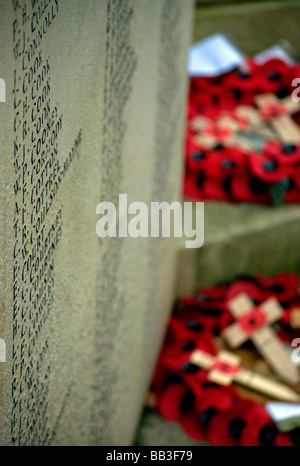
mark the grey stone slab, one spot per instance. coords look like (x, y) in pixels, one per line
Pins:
(95, 96)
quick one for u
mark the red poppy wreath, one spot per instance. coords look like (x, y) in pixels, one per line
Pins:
(182, 390)
(243, 135)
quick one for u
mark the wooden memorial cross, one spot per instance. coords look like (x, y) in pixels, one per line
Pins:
(278, 114)
(256, 125)
(252, 323)
(270, 121)
(225, 369)
(224, 130)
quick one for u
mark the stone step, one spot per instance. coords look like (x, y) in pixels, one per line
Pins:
(154, 430)
(252, 26)
(201, 3)
(241, 239)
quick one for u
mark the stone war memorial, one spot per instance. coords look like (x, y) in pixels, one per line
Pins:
(92, 105)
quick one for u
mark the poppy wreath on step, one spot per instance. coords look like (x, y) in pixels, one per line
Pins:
(269, 174)
(182, 391)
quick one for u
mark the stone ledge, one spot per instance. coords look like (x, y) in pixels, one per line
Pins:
(155, 431)
(200, 3)
(241, 239)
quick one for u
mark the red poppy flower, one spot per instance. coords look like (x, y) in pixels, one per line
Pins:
(215, 396)
(246, 98)
(214, 110)
(295, 70)
(193, 323)
(168, 403)
(202, 301)
(253, 290)
(205, 94)
(228, 426)
(197, 83)
(268, 169)
(251, 65)
(193, 376)
(225, 367)
(227, 100)
(195, 155)
(252, 320)
(176, 359)
(200, 102)
(199, 186)
(285, 154)
(211, 315)
(162, 377)
(259, 430)
(197, 105)
(273, 75)
(251, 188)
(193, 184)
(191, 424)
(296, 176)
(229, 161)
(196, 381)
(192, 331)
(217, 132)
(212, 294)
(272, 110)
(283, 440)
(284, 286)
(218, 188)
(293, 193)
(209, 85)
(246, 81)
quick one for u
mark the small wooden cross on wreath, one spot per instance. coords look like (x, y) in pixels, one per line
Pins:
(271, 120)
(225, 368)
(252, 322)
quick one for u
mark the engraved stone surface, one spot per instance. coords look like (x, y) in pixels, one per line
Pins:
(94, 107)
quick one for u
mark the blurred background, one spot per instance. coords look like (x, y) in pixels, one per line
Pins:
(241, 239)
(252, 25)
